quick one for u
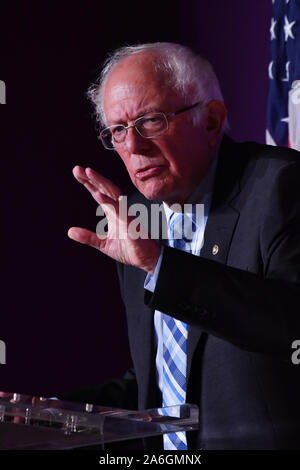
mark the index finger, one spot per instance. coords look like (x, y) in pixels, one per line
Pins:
(94, 181)
(104, 185)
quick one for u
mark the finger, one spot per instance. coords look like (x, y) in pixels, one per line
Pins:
(96, 183)
(103, 184)
(82, 235)
(101, 198)
(94, 191)
(79, 174)
(93, 188)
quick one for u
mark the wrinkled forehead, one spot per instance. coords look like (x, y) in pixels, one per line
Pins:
(136, 71)
(136, 79)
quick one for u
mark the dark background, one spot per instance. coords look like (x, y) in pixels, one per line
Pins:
(61, 314)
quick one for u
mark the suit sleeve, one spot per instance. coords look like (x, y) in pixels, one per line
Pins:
(256, 313)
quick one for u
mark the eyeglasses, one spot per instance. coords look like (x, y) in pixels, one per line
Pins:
(149, 125)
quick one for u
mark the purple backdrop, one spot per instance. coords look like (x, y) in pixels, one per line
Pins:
(62, 317)
(234, 35)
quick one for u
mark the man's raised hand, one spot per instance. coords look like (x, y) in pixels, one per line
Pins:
(117, 242)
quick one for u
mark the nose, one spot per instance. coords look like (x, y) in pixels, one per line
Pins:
(135, 143)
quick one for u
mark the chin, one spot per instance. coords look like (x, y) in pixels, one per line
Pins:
(153, 193)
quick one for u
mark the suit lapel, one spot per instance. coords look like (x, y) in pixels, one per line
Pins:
(221, 224)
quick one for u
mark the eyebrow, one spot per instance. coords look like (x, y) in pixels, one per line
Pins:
(146, 111)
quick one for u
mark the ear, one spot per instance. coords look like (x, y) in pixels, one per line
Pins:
(216, 115)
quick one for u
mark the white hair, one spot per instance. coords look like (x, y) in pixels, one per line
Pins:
(188, 74)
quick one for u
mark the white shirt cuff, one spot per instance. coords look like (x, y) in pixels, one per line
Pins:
(150, 281)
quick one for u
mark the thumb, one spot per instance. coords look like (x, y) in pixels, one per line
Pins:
(87, 237)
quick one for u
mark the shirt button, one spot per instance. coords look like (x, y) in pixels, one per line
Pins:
(215, 250)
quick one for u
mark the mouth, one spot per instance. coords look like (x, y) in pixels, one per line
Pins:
(148, 172)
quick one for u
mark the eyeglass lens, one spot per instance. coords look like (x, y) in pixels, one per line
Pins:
(149, 125)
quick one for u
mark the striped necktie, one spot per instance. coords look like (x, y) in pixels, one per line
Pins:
(175, 334)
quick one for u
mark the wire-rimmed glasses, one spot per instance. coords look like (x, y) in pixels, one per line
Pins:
(149, 125)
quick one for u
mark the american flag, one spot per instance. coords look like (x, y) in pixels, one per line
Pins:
(283, 111)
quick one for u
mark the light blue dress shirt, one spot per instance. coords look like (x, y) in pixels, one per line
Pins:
(202, 195)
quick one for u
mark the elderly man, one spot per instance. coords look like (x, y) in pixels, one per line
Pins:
(211, 318)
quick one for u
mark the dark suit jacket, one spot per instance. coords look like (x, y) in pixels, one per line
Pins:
(241, 304)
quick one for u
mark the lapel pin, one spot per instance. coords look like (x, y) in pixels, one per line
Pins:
(215, 250)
